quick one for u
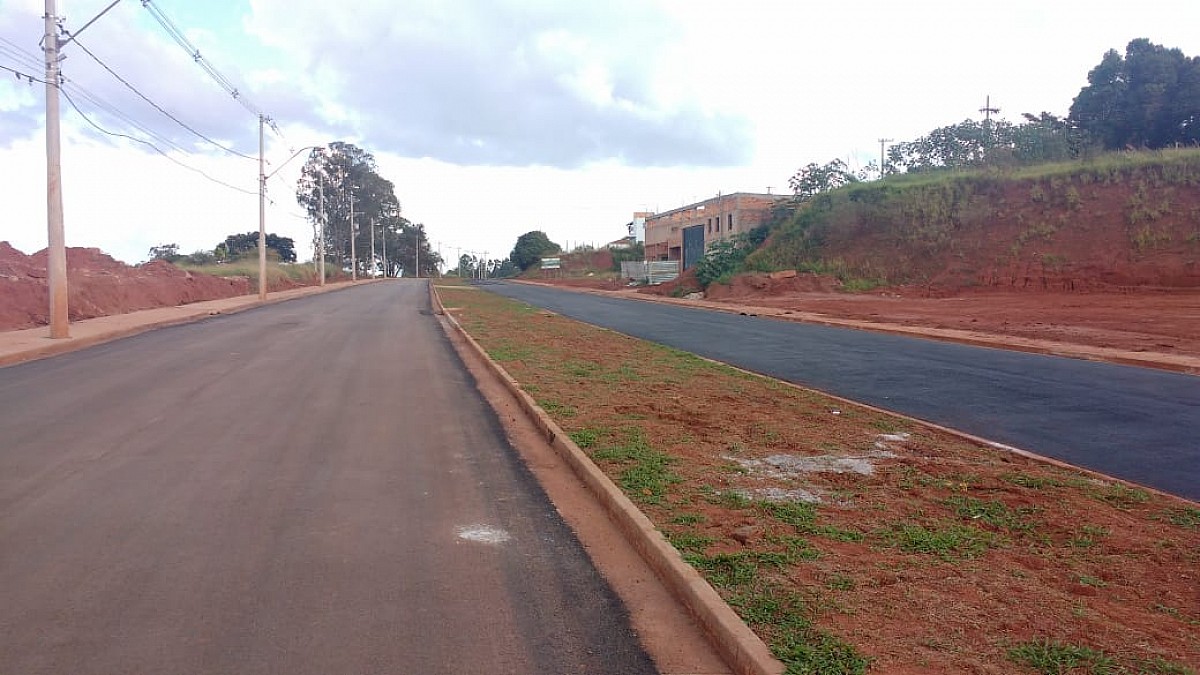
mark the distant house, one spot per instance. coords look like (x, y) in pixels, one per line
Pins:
(685, 233)
(622, 244)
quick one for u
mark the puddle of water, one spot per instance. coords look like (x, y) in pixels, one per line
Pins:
(483, 534)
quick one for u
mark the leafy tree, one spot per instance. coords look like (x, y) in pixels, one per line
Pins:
(814, 179)
(167, 252)
(530, 247)
(1148, 98)
(340, 177)
(238, 245)
(726, 257)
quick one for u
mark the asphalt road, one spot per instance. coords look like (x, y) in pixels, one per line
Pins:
(1134, 423)
(310, 487)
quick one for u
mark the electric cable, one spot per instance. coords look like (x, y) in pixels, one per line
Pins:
(157, 106)
(151, 145)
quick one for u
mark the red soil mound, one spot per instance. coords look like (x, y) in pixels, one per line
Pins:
(98, 285)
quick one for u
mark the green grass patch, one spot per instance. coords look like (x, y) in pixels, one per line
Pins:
(994, 513)
(687, 541)
(793, 639)
(1187, 517)
(556, 409)
(1054, 657)
(1032, 482)
(645, 476)
(507, 351)
(1118, 495)
(586, 438)
(688, 519)
(948, 541)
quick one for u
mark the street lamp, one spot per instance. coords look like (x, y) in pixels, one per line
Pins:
(262, 206)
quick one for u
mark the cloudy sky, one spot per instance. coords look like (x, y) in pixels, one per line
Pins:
(496, 117)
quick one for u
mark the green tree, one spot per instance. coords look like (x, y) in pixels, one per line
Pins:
(530, 248)
(1150, 98)
(814, 179)
(341, 177)
(239, 245)
(167, 252)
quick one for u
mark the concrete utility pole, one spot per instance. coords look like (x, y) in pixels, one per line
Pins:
(56, 251)
(353, 254)
(374, 267)
(882, 156)
(262, 215)
(387, 271)
(417, 249)
(987, 110)
(321, 236)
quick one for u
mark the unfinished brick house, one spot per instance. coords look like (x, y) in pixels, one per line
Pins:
(685, 233)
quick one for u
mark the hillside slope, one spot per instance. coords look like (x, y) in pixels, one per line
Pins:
(1120, 222)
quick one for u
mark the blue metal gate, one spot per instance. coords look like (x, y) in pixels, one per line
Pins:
(693, 245)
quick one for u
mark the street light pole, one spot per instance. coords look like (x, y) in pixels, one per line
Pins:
(353, 253)
(262, 215)
(56, 251)
(321, 236)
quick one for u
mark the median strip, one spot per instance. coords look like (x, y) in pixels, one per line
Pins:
(945, 554)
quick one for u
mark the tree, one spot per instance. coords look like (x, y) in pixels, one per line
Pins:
(238, 245)
(530, 248)
(1148, 98)
(342, 176)
(167, 252)
(814, 179)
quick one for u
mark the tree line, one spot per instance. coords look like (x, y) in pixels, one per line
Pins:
(1147, 98)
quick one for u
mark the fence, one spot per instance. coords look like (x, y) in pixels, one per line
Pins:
(654, 272)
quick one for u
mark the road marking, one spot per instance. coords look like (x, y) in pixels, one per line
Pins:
(483, 534)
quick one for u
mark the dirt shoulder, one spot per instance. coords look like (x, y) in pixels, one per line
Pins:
(855, 541)
(1155, 330)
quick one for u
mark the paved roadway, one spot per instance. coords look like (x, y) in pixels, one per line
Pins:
(285, 490)
(1139, 424)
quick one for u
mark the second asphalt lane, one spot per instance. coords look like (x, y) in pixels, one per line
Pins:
(1134, 423)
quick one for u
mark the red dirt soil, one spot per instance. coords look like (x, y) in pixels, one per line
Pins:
(101, 286)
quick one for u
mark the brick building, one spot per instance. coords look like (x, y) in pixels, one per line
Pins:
(686, 232)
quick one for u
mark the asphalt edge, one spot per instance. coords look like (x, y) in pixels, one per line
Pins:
(741, 648)
(1063, 349)
(75, 344)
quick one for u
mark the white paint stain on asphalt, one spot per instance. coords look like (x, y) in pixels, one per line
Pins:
(483, 534)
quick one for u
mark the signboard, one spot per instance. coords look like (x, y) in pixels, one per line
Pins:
(551, 263)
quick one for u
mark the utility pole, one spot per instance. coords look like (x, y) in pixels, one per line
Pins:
(374, 267)
(417, 249)
(353, 254)
(987, 110)
(387, 270)
(882, 156)
(262, 215)
(321, 235)
(56, 252)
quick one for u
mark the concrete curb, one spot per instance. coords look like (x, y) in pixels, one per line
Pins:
(1168, 362)
(57, 347)
(742, 650)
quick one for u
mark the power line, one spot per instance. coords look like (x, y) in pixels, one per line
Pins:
(21, 75)
(151, 145)
(157, 106)
(182, 40)
(20, 53)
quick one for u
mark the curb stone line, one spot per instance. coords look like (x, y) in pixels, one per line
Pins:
(1185, 365)
(742, 650)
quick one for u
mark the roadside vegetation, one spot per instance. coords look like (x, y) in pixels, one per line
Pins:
(853, 541)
